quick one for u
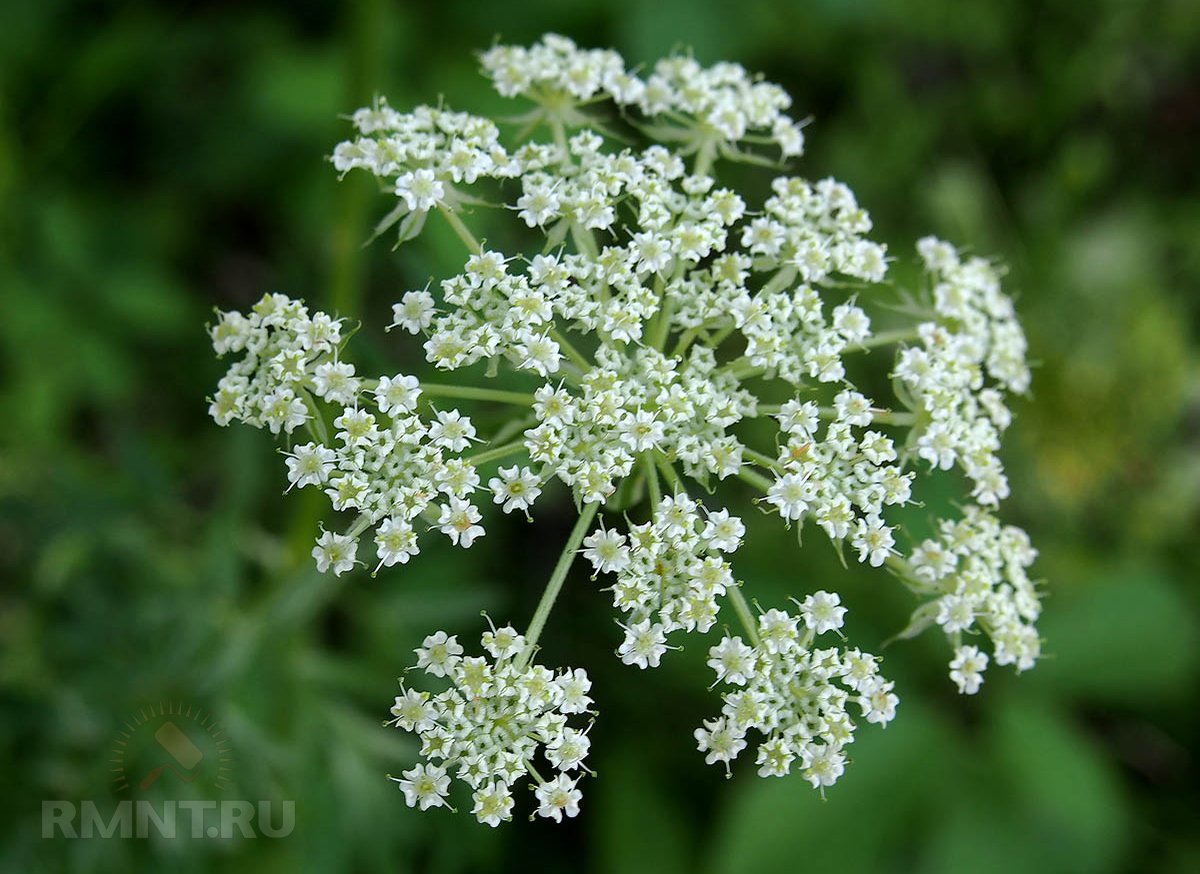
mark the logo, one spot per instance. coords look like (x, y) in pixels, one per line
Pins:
(171, 758)
(171, 745)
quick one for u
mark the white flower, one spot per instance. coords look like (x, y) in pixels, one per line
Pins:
(421, 190)
(791, 495)
(515, 488)
(398, 393)
(395, 542)
(661, 319)
(732, 660)
(493, 803)
(558, 797)
(413, 712)
(644, 644)
(425, 785)
(606, 550)
(723, 531)
(414, 313)
(503, 643)
(720, 740)
(966, 670)
(822, 611)
(439, 654)
(310, 464)
(873, 540)
(452, 431)
(335, 552)
(458, 520)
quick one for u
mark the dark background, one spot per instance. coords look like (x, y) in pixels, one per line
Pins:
(159, 159)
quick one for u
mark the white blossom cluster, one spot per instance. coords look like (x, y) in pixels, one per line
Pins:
(975, 336)
(630, 406)
(286, 351)
(978, 569)
(841, 478)
(499, 716)
(794, 695)
(654, 319)
(722, 104)
(670, 573)
(384, 462)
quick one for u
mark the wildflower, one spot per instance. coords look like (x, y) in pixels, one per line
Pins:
(658, 317)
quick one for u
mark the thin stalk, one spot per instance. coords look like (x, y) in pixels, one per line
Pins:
(755, 479)
(464, 233)
(743, 611)
(556, 581)
(317, 427)
(883, 417)
(441, 390)
(743, 369)
(761, 459)
(886, 338)
(652, 480)
(496, 452)
(574, 354)
(704, 158)
(669, 473)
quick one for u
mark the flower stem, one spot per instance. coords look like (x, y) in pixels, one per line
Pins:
(574, 354)
(761, 459)
(441, 390)
(883, 417)
(652, 480)
(743, 611)
(669, 473)
(461, 229)
(755, 479)
(556, 580)
(496, 452)
(886, 338)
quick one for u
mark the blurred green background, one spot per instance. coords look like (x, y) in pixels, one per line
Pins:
(159, 159)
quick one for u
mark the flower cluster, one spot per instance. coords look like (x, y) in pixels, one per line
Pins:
(723, 103)
(978, 569)
(655, 317)
(384, 461)
(794, 695)
(670, 573)
(499, 714)
(631, 406)
(974, 336)
(839, 477)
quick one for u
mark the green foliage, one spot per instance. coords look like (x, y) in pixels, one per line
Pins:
(159, 160)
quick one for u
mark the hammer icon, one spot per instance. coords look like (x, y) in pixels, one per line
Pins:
(180, 748)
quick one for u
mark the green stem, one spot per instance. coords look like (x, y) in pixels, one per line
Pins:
(883, 417)
(652, 480)
(574, 354)
(704, 158)
(464, 233)
(685, 340)
(669, 473)
(761, 459)
(321, 432)
(559, 132)
(441, 390)
(743, 611)
(497, 452)
(755, 479)
(886, 338)
(743, 369)
(556, 581)
(721, 336)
